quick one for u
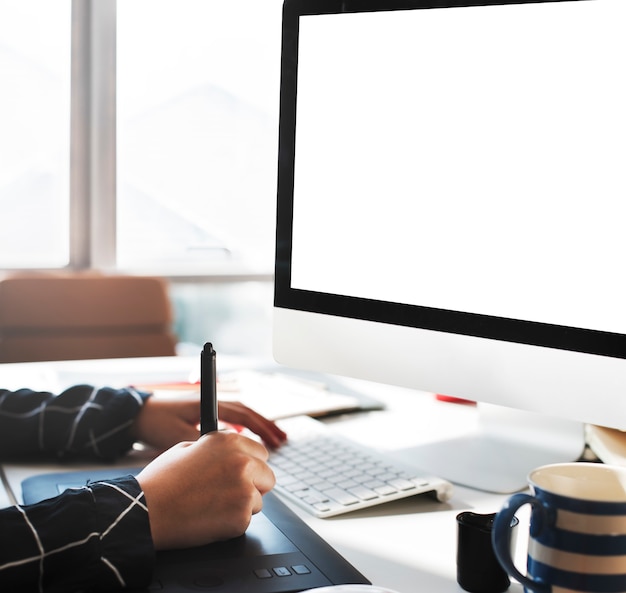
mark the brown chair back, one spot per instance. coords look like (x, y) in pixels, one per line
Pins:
(83, 316)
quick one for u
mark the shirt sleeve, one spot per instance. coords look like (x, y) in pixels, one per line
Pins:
(93, 539)
(82, 421)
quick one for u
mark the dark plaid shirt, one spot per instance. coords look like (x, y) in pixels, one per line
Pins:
(93, 539)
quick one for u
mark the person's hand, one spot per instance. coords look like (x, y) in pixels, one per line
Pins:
(205, 491)
(238, 414)
(167, 420)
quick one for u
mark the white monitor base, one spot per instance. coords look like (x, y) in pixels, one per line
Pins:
(499, 456)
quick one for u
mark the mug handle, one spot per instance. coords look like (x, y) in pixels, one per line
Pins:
(501, 537)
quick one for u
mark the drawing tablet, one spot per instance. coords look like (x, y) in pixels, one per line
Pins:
(279, 553)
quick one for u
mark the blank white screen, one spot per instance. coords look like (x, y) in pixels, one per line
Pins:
(469, 159)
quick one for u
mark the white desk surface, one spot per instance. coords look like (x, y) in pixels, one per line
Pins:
(408, 546)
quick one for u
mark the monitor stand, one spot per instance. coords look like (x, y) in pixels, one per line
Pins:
(500, 454)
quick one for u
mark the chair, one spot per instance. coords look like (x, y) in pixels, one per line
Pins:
(83, 316)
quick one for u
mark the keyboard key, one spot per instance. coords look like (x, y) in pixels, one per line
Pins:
(313, 498)
(347, 484)
(363, 493)
(322, 507)
(296, 486)
(385, 490)
(402, 484)
(341, 496)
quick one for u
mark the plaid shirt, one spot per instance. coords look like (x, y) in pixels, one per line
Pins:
(93, 539)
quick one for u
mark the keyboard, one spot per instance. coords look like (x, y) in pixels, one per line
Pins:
(328, 474)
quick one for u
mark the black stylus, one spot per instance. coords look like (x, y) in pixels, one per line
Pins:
(208, 390)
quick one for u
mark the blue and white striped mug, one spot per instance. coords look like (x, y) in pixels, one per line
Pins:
(577, 539)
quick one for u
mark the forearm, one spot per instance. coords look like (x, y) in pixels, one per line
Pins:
(81, 421)
(93, 539)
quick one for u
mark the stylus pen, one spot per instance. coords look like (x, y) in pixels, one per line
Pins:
(208, 390)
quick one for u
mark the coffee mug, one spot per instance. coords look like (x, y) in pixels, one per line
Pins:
(577, 539)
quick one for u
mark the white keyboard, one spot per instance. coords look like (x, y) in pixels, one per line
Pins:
(328, 474)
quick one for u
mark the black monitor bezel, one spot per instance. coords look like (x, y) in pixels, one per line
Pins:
(471, 324)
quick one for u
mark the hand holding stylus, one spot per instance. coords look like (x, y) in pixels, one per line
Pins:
(167, 420)
(191, 469)
(207, 490)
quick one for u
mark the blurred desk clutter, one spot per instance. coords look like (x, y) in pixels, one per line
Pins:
(608, 444)
(277, 393)
(268, 388)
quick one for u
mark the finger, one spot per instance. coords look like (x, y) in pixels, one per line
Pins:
(186, 431)
(277, 435)
(257, 505)
(271, 434)
(189, 409)
(264, 479)
(254, 448)
(233, 440)
(266, 429)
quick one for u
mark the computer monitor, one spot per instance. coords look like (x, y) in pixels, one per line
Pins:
(451, 195)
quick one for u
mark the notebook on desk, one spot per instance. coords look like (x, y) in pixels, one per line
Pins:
(278, 394)
(279, 553)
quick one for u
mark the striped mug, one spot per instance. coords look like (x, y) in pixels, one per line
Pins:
(577, 539)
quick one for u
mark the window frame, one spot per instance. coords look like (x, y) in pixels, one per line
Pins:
(92, 135)
(92, 175)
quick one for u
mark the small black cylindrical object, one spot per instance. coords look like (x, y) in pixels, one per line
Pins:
(478, 569)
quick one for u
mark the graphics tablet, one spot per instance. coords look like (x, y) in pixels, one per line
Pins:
(279, 553)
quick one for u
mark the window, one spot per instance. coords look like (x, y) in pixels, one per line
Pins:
(35, 39)
(197, 131)
(173, 112)
(142, 136)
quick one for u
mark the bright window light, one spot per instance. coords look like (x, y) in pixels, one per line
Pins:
(35, 64)
(197, 129)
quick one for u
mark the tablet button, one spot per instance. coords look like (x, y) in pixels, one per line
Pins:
(263, 573)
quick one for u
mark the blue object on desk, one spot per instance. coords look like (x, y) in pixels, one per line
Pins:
(279, 553)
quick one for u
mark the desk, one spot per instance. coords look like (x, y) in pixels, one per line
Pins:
(408, 545)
